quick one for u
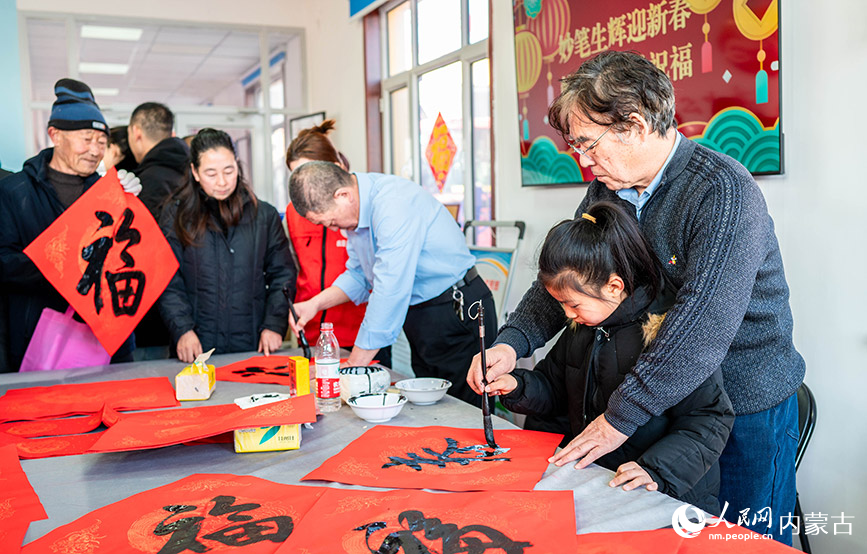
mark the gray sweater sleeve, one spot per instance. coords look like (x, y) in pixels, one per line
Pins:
(725, 230)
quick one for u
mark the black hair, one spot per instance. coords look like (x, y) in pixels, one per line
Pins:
(582, 253)
(609, 87)
(155, 119)
(193, 216)
(312, 186)
(118, 136)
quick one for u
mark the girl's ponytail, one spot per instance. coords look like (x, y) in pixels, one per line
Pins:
(582, 253)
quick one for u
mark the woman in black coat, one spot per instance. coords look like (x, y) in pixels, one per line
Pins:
(610, 285)
(234, 259)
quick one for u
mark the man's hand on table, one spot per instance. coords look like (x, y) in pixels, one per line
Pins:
(597, 440)
(189, 347)
(500, 358)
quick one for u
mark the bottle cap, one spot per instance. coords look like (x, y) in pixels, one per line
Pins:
(326, 326)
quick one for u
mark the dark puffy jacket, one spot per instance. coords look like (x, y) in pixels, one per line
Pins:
(161, 172)
(229, 286)
(678, 448)
(28, 206)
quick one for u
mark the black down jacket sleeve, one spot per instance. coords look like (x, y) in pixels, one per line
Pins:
(699, 428)
(279, 270)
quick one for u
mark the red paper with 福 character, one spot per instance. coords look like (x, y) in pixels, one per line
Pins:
(368, 522)
(200, 513)
(444, 458)
(107, 257)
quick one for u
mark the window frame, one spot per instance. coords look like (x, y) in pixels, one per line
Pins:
(467, 54)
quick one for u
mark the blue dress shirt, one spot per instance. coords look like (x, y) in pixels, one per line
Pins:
(406, 249)
(632, 196)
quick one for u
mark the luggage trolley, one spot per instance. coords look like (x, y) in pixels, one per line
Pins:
(496, 264)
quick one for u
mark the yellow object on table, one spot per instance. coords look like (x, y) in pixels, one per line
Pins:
(300, 368)
(264, 439)
(195, 382)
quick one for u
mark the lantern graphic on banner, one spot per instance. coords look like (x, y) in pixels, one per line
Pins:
(528, 63)
(549, 26)
(757, 28)
(703, 7)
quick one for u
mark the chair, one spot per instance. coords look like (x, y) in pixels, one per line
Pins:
(806, 425)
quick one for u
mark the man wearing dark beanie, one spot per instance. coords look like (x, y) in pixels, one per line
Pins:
(33, 198)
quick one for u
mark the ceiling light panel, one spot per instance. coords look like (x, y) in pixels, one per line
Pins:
(111, 33)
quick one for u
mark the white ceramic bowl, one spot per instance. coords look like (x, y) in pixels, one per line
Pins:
(358, 380)
(377, 408)
(423, 390)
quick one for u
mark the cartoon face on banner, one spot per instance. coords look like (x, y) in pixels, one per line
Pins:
(368, 522)
(200, 513)
(108, 258)
(443, 458)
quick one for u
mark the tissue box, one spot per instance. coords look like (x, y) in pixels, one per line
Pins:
(264, 439)
(299, 366)
(194, 384)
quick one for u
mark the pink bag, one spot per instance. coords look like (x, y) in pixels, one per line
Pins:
(60, 342)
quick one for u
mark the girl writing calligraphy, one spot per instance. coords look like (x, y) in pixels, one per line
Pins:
(611, 286)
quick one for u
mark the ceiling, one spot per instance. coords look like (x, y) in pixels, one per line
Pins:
(178, 66)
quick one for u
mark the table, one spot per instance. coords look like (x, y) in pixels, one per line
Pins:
(71, 486)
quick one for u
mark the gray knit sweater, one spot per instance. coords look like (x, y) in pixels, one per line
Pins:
(709, 224)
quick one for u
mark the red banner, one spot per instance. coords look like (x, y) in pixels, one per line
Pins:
(86, 398)
(443, 458)
(108, 258)
(365, 522)
(200, 513)
(19, 504)
(166, 427)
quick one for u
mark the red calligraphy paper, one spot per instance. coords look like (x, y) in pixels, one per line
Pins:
(49, 447)
(444, 458)
(52, 427)
(259, 369)
(86, 398)
(200, 513)
(361, 522)
(108, 258)
(167, 427)
(19, 504)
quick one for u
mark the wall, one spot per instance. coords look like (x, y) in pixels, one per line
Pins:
(819, 208)
(12, 154)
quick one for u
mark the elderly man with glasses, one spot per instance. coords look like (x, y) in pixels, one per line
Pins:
(708, 222)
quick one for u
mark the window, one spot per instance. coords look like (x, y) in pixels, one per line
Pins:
(435, 65)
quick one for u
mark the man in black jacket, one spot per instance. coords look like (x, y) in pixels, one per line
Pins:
(33, 198)
(163, 161)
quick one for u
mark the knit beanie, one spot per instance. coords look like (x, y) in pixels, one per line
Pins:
(75, 108)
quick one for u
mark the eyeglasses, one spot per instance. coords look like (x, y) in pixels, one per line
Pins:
(583, 152)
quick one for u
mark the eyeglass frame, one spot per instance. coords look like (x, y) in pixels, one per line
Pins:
(593, 144)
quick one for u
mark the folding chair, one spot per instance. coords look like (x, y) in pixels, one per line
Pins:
(806, 425)
(496, 264)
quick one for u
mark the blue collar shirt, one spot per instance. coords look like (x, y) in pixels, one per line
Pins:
(632, 196)
(406, 249)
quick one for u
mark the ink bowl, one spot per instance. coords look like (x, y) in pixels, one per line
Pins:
(423, 391)
(377, 408)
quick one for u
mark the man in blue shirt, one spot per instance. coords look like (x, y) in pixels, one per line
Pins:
(407, 259)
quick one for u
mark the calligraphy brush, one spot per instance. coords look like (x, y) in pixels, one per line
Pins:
(302, 338)
(486, 404)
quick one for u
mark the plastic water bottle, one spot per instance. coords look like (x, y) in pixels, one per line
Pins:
(327, 359)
